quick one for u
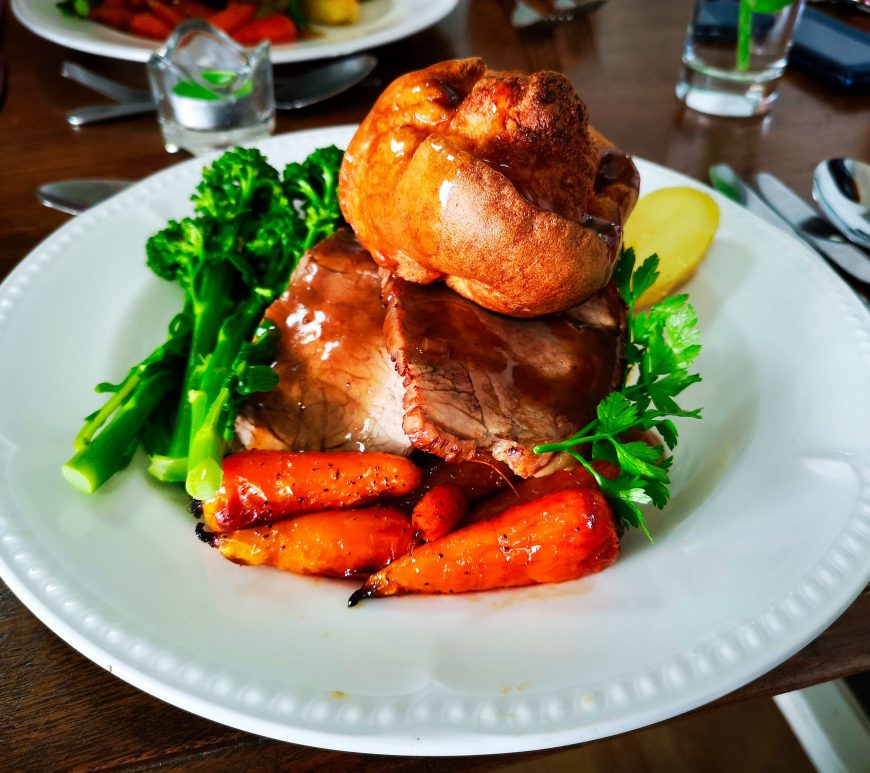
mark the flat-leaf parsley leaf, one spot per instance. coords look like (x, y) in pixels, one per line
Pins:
(662, 343)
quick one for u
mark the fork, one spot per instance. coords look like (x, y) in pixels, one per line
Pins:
(108, 88)
(129, 101)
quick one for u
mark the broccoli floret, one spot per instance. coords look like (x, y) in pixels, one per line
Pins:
(313, 187)
(240, 182)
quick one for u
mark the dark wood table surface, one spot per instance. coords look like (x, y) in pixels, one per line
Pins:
(60, 711)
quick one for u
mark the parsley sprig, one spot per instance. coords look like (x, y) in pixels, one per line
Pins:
(662, 342)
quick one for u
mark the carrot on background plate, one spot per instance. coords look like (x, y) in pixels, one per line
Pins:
(149, 26)
(265, 486)
(192, 9)
(276, 29)
(335, 543)
(234, 17)
(114, 17)
(166, 13)
(557, 537)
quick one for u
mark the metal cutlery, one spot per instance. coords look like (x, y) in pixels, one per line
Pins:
(95, 113)
(841, 188)
(75, 196)
(727, 181)
(102, 85)
(323, 82)
(532, 13)
(812, 228)
(781, 207)
(858, 5)
(291, 92)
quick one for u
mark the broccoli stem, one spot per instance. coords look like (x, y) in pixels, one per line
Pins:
(209, 401)
(102, 448)
(168, 469)
(207, 446)
(210, 303)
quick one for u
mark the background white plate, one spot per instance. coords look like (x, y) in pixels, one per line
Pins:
(381, 21)
(766, 541)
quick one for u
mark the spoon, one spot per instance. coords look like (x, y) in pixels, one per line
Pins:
(291, 92)
(841, 188)
(75, 196)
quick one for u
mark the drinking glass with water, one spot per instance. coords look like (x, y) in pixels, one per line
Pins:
(735, 53)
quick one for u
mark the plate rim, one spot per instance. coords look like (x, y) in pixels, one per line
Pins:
(438, 744)
(427, 14)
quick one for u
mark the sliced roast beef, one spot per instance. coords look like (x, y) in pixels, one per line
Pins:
(338, 389)
(481, 384)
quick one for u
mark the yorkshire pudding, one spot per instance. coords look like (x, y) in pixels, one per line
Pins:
(491, 181)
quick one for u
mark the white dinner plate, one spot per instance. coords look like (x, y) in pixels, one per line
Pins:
(381, 22)
(766, 540)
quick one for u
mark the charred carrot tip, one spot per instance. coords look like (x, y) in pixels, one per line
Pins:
(209, 537)
(359, 595)
(196, 507)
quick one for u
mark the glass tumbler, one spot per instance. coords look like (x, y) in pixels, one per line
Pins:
(211, 93)
(735, 53)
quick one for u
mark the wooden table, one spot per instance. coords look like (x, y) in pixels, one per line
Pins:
(63, 711)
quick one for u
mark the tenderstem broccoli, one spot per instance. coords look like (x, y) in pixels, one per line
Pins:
(232, 259)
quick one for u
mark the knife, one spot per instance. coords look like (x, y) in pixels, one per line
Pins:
(727, 181)
(810, 227)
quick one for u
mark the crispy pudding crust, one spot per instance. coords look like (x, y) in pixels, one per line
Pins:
(493, 182)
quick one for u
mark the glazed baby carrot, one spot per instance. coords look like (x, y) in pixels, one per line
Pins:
(264, 486)
(554, 538)
(439, 511)
(532, 488)
(335, 543)
(477, 479)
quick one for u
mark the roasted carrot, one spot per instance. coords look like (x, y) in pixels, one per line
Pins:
(334, 543)
(233, 17)
(532, 488)
(477, 479)
(276, 29)
(166, 13)
(116, 18)
(193, 9)
(149, 26)
(264, 486)
(554, 538)
(439, 511)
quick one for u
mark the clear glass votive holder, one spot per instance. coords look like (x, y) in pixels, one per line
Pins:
(735, 53)
(211, 93)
